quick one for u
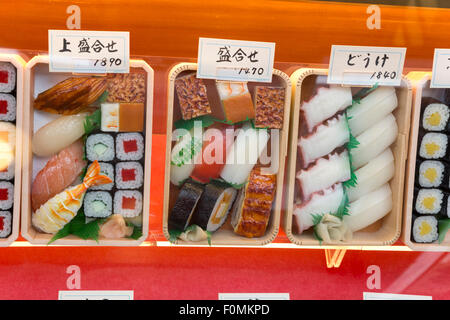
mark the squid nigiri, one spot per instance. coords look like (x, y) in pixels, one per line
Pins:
(60, 210)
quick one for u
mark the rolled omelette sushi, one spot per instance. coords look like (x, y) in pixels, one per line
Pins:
(434, 145)
(184, 207)
(369, 208)
(326, 201)
(213, 207)
(324, 173)
(373, 175)
(325, 104)
(371, 109)
(374, 140)
(435, 117)
(425, 229)
(432, 174)
(323, 140)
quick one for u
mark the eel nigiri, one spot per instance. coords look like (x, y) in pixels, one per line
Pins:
(59, 173)
(60, 210)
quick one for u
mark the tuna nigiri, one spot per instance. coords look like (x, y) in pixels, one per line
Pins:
(58, 174)
(60, 210)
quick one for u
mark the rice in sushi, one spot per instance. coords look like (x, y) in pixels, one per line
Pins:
(435, 117)
(433, 146)
(425, 229)
(9, 171)
(97, 204)
(106, 169)
(130, 146)
(128, 203)
(100, 147)
(5, 224)
(6, 195)
(7, 77)
(429, 201)
(432, 174)
(129, 175)
(7, 107)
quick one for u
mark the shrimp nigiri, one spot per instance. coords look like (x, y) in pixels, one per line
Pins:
(59, 210)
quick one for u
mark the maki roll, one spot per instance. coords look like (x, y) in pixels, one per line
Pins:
(213, 206)
(129, 175)
(106, 169)
(432, 174)
(8, 172)
(435, 117)
(183, 209)
(100, 147)
(425, 229)
(431, 201)
(6, 195)
(128, 203)
(7, 77)
(130, 146)
(5, 224)
(97, 204)
(7, 107)
(433, 145)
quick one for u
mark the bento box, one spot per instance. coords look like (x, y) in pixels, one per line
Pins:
(87, 156)
(346, 162)
(426, 216)
(11, 108)
(225, 154)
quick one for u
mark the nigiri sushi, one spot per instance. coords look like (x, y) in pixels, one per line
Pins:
(58, 174)
(60, 210)
(182, 157)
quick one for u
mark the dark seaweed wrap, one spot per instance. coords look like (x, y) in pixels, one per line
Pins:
(185, 205)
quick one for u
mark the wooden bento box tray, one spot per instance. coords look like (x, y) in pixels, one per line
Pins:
(19, 64)
(225, 234)
(421, 83)
(39, 65)
(383, 232)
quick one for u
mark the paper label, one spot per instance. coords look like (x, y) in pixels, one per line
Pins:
(82, 51)
(96, 295)
(393, 296)
(440, 77)
(235, 60)
(254, 296)
(356, 65)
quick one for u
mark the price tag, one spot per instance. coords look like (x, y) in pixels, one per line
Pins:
(235, 60)
(440, 77)
(254, 296)
(95, 295)
(354, 65)
(82, 51)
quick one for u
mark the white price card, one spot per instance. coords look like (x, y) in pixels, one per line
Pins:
(235, 60)
(440, 77)
(254, 296)
(366, 66)
(82, 51)
(96, 295)
(393, 296)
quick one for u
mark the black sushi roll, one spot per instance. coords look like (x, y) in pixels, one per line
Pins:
(432, 174)
(183, 209)
(429, 201)
(434, 115)
(424, 229)
(433, 145)
(214, 206)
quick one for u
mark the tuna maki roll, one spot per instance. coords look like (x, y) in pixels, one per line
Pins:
(183, 209)
(435, 117)
(425, 229)
(6, 195)
(433, 146)
(130, 146)
(106, 169)
(129, 175)
(7, 107)
(432, 174)
(5, 224)
(97, 204)
(7, 77)
(128, 203)
(100, 147)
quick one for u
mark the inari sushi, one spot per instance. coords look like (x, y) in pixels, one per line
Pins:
(214, 206)
(432, 174)
(181, 214)
(425, 229)
(435, 117)
(323, 140)
(434, 145)
(325, 104)
(324, 173)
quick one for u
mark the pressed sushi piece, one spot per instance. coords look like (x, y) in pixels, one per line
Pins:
(251, 212)
(373, 175)
(182, 157)
(434, 145)
(131, 117)
(432, 174)
(244, 154)
(126, 87)
(236, 101)
(435, 117)
(7, 107)
(325, 104)
(5, 224)
(106, 169)
(269, 107)
(214, 206)
(430, 201)
(129, 175)
(425, 229)
(110, 117)
(128, 203)
(130, 146)
(371, 109)
(58, 174)
(374, 140)
(100, 147)
(324, 173)
(323, 140)
(192, 96)
(97, 204)
(369, 208)
(7, 77)
(326, 201)
(217, 141)
(6, 195)
(185, 205)
(62, 208)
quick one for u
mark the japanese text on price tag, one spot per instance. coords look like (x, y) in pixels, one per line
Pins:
(354, 65)
(441, 69)
(235, 60)
(89, 51)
